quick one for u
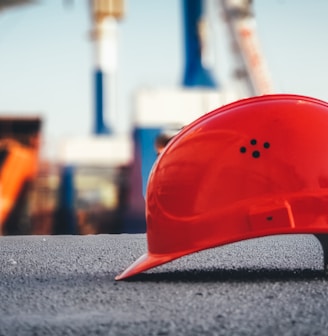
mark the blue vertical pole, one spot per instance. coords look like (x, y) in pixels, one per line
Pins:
(99, 123)
(195, 74)
(65, 221)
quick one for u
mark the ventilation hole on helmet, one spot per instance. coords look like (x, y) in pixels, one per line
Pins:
(266, 145)
(253, 142)
(256, 154)
(242, 149)
(269, 218)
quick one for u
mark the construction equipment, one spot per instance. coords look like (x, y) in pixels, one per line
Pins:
(250, 68)
(19, 150)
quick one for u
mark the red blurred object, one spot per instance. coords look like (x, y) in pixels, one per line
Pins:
(249, 169)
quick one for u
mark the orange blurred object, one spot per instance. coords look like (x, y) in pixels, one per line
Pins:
(20, 166)
(249, 169)
(19, 149)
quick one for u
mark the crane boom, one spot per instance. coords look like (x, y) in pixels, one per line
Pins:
(252, 67)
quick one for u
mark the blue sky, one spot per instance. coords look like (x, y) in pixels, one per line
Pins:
(46, 56)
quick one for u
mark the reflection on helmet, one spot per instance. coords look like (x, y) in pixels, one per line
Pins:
(252, 168)
(164, 138)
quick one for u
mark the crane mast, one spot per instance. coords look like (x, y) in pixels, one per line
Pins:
(250, 66)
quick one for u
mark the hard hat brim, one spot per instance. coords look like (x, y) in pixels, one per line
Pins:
(146, 262)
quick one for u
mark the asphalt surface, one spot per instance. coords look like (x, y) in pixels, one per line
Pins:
(64, 285)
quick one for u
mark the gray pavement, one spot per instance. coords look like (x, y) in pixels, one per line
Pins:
(64, 285)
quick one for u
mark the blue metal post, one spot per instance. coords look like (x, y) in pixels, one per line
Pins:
(65, 221)
(99, 124)
(195, 74)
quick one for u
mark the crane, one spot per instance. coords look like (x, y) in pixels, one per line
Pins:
(251, 70)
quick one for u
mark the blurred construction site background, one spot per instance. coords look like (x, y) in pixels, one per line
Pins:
(81, 166)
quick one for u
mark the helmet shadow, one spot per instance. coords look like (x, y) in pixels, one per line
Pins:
(232, 275)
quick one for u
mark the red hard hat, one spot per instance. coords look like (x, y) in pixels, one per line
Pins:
(252, 168)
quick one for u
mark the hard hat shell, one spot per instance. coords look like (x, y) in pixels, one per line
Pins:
(256, 167)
